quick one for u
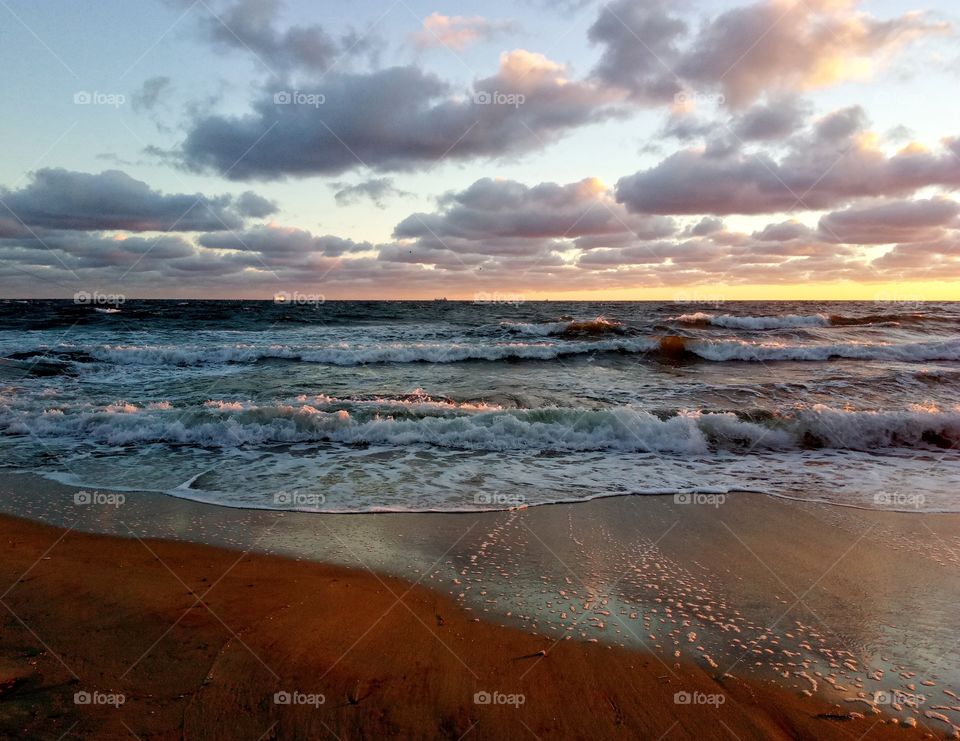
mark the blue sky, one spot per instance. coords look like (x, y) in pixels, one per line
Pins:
(175, 81)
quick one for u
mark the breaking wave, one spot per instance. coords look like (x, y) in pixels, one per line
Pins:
(801, 321)
(230, 424)
(785, 321)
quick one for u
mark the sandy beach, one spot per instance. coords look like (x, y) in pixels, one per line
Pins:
(398, 621)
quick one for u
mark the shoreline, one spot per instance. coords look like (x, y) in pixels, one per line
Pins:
(197, 641)
(705, 491)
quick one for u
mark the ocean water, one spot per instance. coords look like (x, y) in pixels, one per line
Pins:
(452, 406)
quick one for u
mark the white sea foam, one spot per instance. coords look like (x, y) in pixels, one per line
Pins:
(348, 354)
(909, 352)
(220, 424)
(599, 326)
(784, 321)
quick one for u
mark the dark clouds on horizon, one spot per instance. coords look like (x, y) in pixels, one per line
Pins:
(62, 199)
(504, 234)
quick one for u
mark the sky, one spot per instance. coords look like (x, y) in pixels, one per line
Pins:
(638, 149)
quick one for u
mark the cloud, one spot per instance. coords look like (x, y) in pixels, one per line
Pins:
(397, 119)
(828, 165)
(263, 259)
(892, 221)
(458, 32)
(376, 190)
(938, 260)
(770, 121)
(507, 217)
(250, 26)
(769, 47)
(276, 244)
(785, 231)
(706, 226)
(150, 93)
(255, 206)
(64, 199)
(640, 43)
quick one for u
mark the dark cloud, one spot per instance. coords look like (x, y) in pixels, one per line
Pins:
(150, 93)
(64, 199)
(785, 232)
(396, 119)
(377, 190)
(504, 216)
(834, 162)
(255, 206)
(706, 226)
(939, 260)
(251, 26)
(640, 43)
(770, 121)
(274, 242)
(891, 222)
(84, 250)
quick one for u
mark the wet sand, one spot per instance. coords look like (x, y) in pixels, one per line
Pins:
(796, 611)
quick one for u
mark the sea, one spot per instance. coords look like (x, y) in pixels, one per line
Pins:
(373, 406)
